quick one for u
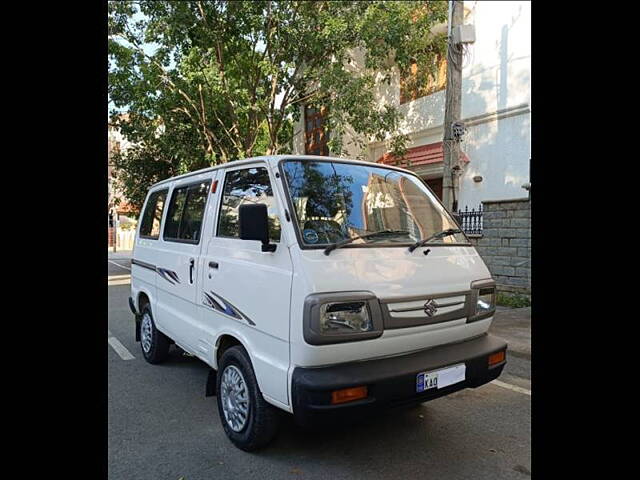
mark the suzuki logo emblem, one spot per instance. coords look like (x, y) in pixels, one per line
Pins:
(430, 307)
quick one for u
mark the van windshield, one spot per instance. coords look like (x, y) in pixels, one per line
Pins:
(336, 201)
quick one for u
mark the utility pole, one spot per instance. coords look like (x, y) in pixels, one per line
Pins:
(452, 111)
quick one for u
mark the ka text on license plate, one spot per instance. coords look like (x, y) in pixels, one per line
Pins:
(440, 378)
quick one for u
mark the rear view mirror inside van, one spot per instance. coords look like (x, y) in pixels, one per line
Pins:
(254, 224)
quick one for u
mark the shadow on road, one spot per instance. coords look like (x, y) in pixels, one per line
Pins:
(475, 433)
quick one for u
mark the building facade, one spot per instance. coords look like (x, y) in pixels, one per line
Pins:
(496, 112)
(118, 207)
(117, 143)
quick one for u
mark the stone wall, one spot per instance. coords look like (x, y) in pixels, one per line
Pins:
(505, 245)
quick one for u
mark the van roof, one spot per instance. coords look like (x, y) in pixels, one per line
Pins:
(276, 159)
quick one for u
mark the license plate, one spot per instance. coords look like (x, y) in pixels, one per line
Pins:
(440, 378)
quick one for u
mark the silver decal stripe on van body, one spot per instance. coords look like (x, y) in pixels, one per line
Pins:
(169, 275)
(143, 264)
(219, 304)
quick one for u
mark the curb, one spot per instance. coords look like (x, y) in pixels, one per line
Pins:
(513, 325)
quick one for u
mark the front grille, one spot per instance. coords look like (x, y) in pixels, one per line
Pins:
(402, 312)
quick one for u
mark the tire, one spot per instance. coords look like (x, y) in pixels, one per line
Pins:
(259, 425)
(154, 343)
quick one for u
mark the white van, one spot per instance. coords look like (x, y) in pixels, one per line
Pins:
(324, 287)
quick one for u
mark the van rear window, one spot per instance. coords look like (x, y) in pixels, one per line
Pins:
(186, 210)
(152, 215)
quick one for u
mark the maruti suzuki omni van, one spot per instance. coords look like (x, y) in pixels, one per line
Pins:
(323, 287)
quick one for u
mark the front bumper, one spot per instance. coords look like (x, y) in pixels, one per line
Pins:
(390, 381)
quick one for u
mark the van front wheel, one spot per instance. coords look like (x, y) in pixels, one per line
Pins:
(154, 343)
(248, 420)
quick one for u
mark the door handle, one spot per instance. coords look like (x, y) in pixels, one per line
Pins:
(212, 265)
(191, 266)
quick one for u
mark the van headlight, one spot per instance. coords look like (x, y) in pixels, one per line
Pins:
(345, 317)
(483, 299)
(341, 317)
(486, 300)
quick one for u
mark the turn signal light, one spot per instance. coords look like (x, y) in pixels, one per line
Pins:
(348, 394)
(496, 358)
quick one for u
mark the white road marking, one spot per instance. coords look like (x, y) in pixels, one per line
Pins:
(119, 281)
(118, 265)
(119, 348)
(508, 386)
(118, 277)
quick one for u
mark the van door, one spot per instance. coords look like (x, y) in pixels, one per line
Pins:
(177, 260)
(246, 292)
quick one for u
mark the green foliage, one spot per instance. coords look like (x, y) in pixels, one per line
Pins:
(127, 226)
(513, 300)
(210, 82)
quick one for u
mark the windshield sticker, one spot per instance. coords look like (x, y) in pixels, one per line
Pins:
(310, 236)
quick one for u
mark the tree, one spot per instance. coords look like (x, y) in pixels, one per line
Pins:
(226, 80)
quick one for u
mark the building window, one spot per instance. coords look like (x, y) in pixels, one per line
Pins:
(419, 82)
(435, 184)
(250, 185)
(315, 134)
(186, 209)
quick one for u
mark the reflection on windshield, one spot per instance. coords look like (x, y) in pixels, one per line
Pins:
(338, 201)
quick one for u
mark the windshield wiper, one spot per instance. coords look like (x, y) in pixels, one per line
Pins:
(442, 234)
(342, 243)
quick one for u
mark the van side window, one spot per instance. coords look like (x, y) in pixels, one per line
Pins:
(250, 185)
(186, 209)
(152, 215)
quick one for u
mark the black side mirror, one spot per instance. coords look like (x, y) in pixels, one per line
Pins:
(254, 224)
(457, 217)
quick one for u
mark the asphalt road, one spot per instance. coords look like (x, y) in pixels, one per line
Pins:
(161, 426)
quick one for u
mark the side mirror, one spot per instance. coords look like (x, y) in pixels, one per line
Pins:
(253, 221)
(457, 217)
